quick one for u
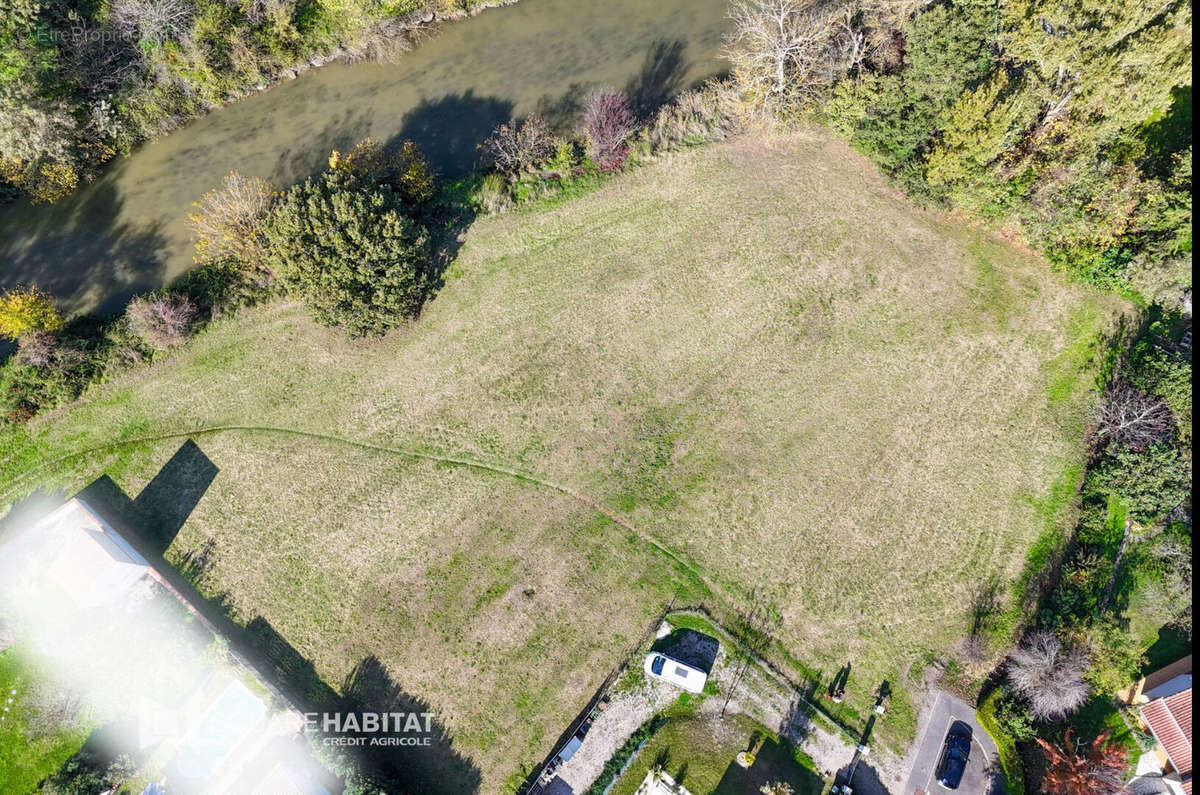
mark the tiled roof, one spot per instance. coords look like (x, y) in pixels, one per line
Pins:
(1170, 719)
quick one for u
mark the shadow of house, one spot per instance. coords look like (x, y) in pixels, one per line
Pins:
(433, 767)
(690, 647)
(449, 130)
(773, 762)
(156, 515)
(150, 522)
(866, 780)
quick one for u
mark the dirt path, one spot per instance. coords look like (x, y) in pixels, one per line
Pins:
(494, 468)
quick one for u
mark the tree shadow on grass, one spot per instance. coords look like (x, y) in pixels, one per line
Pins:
(448, 132)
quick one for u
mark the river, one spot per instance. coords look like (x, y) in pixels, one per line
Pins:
(127, 231)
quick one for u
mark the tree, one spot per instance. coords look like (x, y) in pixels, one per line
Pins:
(1151, 481)
(401, 167)
(776, 788)
(350, 253)
(161, 321)
(1048, 676)
(1128, 417)
(608, 122)
(1116, 656)
(228, 221)
(26, 309)
(775, 43)
(519, 147)
(1099, 771)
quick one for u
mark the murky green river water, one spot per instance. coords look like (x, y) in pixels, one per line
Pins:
(127, 232)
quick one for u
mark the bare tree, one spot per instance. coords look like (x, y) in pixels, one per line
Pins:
(774, 41)
(517, 147)
(161, 321)
(228, 221)
(851, 39)
(608, 122)
(1048, 675)
(1128, 417)
(38, 348)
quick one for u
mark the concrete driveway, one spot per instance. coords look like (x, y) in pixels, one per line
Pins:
(980, 777)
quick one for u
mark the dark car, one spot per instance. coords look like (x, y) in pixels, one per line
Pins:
(955, 753)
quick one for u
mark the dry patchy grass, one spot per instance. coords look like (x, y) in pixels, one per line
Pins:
(768, 361)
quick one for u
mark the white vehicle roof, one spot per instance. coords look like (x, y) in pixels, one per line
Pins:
(677, 673)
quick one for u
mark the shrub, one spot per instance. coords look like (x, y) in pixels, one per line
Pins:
(608, 123)
(37, 348)
(694, 117)
(1116, 657)
(26, 309)
(350, 253)
(1151, 481)
(514, 147)
(623, 754)
(85, 773)
(1013, 718)
(492, 194)
(161, 321)
(1128, 417)
(1099, 770)
(1010, 760)
(401, 167)
(1048, 675)
(228, 221)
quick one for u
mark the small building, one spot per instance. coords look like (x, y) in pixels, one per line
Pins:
(107, 625)
(1164, 704)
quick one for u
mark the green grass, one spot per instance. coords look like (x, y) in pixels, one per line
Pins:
(704, 748)
(774, 373)
(27, 756)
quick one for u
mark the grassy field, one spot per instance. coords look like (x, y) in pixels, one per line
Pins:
(756, 354)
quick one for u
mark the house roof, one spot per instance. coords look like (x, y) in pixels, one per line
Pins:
(1170, 719)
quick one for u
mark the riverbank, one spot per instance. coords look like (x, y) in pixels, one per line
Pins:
(127, 233)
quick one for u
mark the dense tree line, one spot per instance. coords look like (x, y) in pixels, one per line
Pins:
(81, 82)
(1067, 121)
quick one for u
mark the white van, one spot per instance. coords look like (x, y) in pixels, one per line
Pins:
(668, 669)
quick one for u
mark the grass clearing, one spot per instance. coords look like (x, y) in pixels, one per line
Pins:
(29, 756)
(699, 753)
(767, 361)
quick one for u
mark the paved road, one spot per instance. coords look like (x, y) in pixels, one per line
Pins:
(978, 779)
